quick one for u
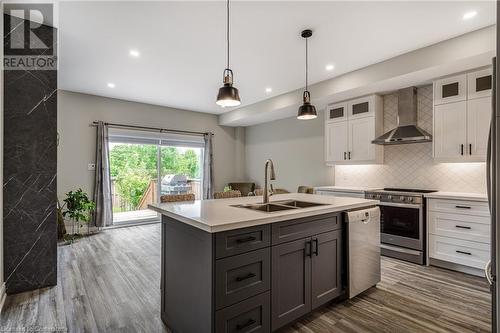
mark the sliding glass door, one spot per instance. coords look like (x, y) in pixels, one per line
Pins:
(144, 166)
(181, 170)
(134, 181)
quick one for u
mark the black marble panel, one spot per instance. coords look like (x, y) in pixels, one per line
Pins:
(30, 166)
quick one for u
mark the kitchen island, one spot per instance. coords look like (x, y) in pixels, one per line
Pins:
(229, 265)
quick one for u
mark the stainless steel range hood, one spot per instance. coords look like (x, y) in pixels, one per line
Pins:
(407, 130)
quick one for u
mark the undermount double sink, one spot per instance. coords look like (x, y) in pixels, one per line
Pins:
(277, 206)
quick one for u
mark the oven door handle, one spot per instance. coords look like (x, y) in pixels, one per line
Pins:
(402, 205)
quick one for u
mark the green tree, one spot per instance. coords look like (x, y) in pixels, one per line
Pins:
(133, 166)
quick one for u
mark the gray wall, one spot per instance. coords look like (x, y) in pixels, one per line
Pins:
(77, 139)
(297, 149)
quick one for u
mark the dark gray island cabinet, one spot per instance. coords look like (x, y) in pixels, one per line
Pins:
(253, 279)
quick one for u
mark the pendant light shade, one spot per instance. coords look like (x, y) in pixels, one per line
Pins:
(306, 110)
(228, 95)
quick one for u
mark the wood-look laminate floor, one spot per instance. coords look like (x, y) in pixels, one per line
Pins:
(110, 283)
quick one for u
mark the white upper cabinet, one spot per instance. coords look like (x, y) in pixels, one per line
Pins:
(336, 142)
(479, 83)
(450, 89)
(478, 124)
(350, 128)
(362, 107)
(450, 135)
(336, 112)
(361, 133)
(461, 124)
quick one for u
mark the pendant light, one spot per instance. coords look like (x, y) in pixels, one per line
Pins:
(228, 95)
(306, 110)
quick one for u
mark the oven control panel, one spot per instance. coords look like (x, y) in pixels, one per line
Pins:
(395, 197)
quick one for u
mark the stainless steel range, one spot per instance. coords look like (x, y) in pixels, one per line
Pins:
(402, 223)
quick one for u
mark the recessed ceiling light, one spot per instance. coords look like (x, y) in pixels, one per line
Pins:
(329, 67)
(469, 15)
(269, 90)
(111, 85)
(134, 53)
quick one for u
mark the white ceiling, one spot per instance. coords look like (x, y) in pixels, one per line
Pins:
(182, 44)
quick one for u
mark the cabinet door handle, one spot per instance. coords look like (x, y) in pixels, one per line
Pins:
(245, 277)
(462, 227)
(470, 148)
(316, 247)
(463, 252)
(345, 156)
(463, 207)
(462, 149)
(250, 322)
(246, 239)
(307, 253)
(349, 155)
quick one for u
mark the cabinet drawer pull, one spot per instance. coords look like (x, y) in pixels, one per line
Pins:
(246, 277)
(345, 156)
(470, 148)
(316, 251)
(463, 252)
(250, 322)
(246, 239)
(307, 252)
(349, 154)
(462, 149)
(463, 207)
(462, 227)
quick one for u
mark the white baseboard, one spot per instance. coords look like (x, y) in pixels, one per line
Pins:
(3, 295)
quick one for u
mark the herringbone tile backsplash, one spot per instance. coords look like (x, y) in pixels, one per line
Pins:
(412, 165)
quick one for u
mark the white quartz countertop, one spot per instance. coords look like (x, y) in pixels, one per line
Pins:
(354, 189)
(458, 196)
(220, 215)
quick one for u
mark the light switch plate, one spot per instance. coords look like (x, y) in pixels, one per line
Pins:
(91, 166)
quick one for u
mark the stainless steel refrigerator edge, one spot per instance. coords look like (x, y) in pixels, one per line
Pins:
(493, 169)
(491, 269)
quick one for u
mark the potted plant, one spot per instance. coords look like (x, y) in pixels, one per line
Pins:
(79, 208)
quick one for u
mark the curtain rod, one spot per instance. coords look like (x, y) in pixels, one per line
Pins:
(161, 130)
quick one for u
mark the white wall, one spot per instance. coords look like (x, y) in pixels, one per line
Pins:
(77, 139)
(296, 148)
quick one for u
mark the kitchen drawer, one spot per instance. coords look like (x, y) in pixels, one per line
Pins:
(238, 241)
(466, 227)
(304, 227)
(467, 253)
(252, 315)
(242, 276)
(477, 208)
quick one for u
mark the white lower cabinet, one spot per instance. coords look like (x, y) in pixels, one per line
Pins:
(459, 232)
(459, 251)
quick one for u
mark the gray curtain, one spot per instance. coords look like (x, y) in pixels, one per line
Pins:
(103, 215)
(208, 167)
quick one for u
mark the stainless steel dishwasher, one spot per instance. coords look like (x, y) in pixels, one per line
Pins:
(363, 249)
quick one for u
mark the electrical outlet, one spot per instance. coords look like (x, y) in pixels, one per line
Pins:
(91, 166)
